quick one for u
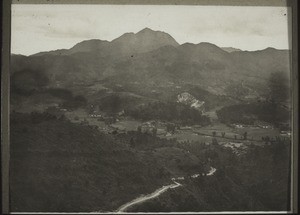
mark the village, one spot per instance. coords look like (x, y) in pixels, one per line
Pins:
(234, 136)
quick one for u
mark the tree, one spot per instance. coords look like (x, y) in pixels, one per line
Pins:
(188, 204)
(139, 129)
(279, 87)
(27, 81)
(132, 143)
(237, 90)
(109, 120)
(214, 141)
(75, 102)
(154, 131)
(161, 172)
(171, 127)
(111, 104)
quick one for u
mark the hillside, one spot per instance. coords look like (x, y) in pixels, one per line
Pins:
(154, 57)
(257, 181)
(60, 166)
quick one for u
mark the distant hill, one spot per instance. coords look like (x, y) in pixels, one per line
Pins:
(230, 49)
(127, 44)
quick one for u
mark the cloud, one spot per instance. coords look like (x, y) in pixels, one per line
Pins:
(64, 31)
(55, 25)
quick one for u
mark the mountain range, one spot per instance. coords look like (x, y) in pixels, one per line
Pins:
(150, 60)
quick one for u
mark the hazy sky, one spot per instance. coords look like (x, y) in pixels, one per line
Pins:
(38, 28)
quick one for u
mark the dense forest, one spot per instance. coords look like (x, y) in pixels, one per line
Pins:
(249, 113)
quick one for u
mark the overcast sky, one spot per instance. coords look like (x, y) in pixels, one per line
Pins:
(37, 28)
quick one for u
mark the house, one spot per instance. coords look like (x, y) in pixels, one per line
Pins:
(264, 125)
(185, 128)
(121, 113)
(195, 175)
(95, 115)
(285, 133)
(148, 127)
(238, 126)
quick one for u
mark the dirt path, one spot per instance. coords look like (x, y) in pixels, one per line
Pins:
(211, 172)
(156, 193)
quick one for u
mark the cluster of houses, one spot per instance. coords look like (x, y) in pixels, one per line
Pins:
(285, 133)
(158, 128)
(95, 115)
(188, 99)
(237, 148)
(178, 178)
(148, 127)
(257, 125)
(237, 126)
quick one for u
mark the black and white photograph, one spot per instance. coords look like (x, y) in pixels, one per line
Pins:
(150, 108)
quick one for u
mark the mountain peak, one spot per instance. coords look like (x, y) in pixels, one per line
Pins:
(270, 49)
(207, 44)
(146, 30)
(143, 41)
(150, 32)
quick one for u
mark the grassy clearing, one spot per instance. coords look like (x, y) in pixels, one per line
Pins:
(127, 124)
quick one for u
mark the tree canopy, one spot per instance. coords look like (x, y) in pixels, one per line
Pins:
(279, 87)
